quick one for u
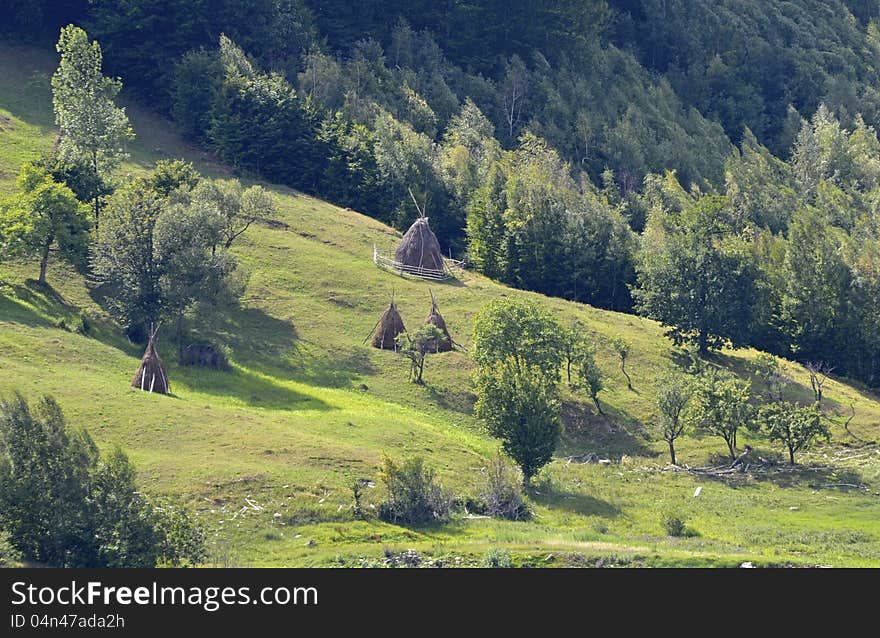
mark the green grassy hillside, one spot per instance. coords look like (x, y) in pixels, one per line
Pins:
(308, 408)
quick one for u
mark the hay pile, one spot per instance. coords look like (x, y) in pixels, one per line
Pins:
(204, 355)
(151, 376)
(419, 248)
(389, 326)
(436, 319)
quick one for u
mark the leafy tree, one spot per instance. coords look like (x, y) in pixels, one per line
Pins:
(589, 375)
(572, 342)
(468, 151)
(416, 347)
(124, 520)
(522, 409)
(720, 405)
(189, 269)
(235, 207)
(621, 348)
(170, 175)
(44, 476)
(796, 427)
(514, 94)
(672, 399)
(195, 80)
(817, 279)
(775, 379)
(159, 255)
(693, 277)
(259, 123)
(65, 506)
(521, 331)
(43, 215)
(182, 538)
(93, 129)
(125, 257)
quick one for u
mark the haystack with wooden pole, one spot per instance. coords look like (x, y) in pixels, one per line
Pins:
(384, 335)
(419, 249)
(151, 376)
(436, 319)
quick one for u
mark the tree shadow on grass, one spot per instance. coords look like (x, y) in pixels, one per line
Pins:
(31, 304)
(770, 468)
(453, 399)
(41, 306)
(241, 384)
(609, 436)
(546, 493)
(331, 369)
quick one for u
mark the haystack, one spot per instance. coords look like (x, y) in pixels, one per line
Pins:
(419, 248)
(436, 319)
(389, 326)
(151, 376)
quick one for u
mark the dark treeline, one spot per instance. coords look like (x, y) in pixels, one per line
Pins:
(710, 164)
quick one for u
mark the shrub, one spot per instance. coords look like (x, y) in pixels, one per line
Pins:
(497, 559)
(414, 496)
(674, 525)
(502, 493)
(84, 325)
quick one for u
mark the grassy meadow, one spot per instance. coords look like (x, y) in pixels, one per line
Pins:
(266, 454)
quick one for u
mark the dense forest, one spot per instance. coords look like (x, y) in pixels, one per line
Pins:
(712, 165)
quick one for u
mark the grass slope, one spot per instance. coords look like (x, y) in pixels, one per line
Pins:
(308, 408)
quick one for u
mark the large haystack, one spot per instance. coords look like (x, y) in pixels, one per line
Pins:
(436, 319)
(151, 376)
(389, 326)
(419, 248)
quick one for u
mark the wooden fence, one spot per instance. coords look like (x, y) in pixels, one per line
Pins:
(386, 263)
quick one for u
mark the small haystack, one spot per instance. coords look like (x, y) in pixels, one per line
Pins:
(204, 355)
(419, 248)
(389, 326)
(436, 319)
(151, 376)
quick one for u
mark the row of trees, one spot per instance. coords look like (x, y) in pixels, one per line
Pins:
(523, 213)
(633, 85)
(717, 403)
(521, 350)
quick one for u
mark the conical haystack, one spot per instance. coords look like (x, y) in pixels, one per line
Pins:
(419, 248)
(151, 376)
(389, 326)
(436, 319)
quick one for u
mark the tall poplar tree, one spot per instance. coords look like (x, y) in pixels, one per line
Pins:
(93, 129)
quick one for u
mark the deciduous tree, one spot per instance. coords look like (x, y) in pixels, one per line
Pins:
(93, 129)
(45, 214)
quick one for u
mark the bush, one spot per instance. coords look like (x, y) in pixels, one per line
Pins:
(497, 559)
(84, 325)
(674, 525)
(502, 493)
(414, 496)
